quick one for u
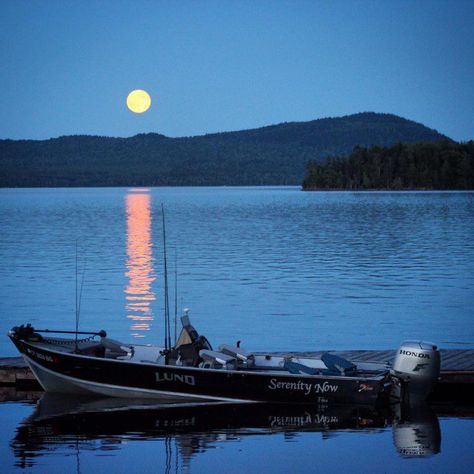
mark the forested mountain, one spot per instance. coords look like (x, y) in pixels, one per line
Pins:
(442, 165)
(275, 154)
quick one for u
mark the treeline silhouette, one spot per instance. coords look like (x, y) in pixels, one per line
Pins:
(276, 154)
(441, 165)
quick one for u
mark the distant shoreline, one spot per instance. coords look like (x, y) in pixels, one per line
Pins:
(263, 156)
(254, 186)
(443, 165)
(389, 190)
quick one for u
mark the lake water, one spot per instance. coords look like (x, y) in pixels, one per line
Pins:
(274, 267)
(75, 435)
(277, 268)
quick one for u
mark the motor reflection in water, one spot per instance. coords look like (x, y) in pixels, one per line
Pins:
(416, 430)
(109, 422)
(140, 273)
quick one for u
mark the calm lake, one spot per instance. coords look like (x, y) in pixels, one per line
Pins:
(274, 267)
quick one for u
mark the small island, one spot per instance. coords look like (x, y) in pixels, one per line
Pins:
(419, 166)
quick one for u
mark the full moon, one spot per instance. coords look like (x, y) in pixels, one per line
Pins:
(138, 101)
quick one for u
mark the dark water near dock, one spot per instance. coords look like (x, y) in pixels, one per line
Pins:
(63, 434)
(276, 268)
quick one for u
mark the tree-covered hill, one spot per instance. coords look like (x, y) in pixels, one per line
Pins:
(275, 154)
(442, 165)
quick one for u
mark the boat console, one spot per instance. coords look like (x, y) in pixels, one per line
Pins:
(189, 344)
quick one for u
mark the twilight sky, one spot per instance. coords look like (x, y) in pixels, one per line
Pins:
(210, 66)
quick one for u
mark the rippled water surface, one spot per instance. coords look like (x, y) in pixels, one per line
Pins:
(277, 268)
(61, 434)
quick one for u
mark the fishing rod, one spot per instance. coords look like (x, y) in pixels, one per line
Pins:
(175, 291)
(167, 305)
(77, 312)
(78, 301)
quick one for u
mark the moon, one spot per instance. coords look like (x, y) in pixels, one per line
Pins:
(138, 101)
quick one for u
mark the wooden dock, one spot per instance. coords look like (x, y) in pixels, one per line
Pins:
(14, 372)
(456, 380)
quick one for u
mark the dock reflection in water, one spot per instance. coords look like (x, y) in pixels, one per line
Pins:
(188, 431)
(140, 273)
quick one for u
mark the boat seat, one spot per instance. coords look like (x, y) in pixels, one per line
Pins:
(297, 368)
(216, 360)
(115, 348)
(333, 369)
(92, 348)
(242, 356)
(338, 365)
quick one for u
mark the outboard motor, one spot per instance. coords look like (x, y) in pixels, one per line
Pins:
(417, 366)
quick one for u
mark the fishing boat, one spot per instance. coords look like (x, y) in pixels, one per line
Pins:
(191, 370)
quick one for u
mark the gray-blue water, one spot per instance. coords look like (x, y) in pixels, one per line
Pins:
(276, 268)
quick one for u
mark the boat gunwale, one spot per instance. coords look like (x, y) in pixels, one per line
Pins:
(375, 377)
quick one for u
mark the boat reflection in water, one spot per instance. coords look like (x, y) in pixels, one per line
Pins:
(109, 422)
(138, 293)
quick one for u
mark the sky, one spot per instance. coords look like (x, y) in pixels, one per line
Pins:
(213, 66)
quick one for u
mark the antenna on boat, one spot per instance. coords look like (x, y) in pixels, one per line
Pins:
(175, 291)
(77, 312)
(78, 298)
(167, 305)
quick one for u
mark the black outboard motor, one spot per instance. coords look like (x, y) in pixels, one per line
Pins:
(417, 366)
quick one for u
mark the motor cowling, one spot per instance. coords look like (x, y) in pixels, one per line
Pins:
(417, 365)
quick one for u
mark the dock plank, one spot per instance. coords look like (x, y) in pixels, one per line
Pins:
(457, 360)
(451, 359)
